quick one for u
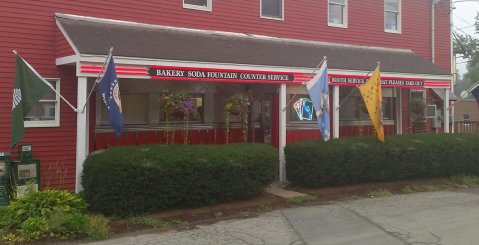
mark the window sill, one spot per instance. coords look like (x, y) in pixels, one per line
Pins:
(195, 7)
(338, 25)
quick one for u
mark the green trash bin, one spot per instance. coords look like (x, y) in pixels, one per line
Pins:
(4, 177)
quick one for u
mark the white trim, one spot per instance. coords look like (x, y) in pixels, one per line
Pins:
(399, 114)
(72, 44)
(48, 123)
(82, 131)
(121, 60)
(399, 19)
(66, 60)
(282, 132)
(336, 112)
(208, 6)
(345, 15)
(271, 17)
(446, 111)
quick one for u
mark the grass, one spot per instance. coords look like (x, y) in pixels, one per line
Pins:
(380, 193)
(303, 198)
(466, 180)
(99, 228)
(150, 221)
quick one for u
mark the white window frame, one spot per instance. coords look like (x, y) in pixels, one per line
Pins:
(270, 17)
(208, 7)
(429, 108)
(345, 15)
(48, 123)
(399, 18)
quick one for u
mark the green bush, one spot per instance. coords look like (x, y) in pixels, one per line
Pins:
(128, 181)
(34, 228)
(48, 213)
(43, 203)
(365, 159)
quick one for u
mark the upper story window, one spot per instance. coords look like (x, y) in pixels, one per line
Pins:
(338, 13)
(272, 9)
(46, 112)
(197, 4)
(392, 16)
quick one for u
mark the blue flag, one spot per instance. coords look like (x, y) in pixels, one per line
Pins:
(319, 93)
(110, 94)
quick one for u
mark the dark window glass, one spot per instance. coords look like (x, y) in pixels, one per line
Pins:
(272, 8)
(197, 2)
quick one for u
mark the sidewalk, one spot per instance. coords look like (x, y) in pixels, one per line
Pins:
(447, 217)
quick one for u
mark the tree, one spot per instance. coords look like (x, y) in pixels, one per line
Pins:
(467, 46)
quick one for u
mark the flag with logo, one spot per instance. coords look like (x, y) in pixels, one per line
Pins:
(371, 93)
(319, 93)
(110, 94)
(28, 88)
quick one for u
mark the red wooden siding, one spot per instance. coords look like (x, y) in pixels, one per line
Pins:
(29, 27)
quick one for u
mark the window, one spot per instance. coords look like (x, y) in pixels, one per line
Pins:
(338, 13)
(272, 9)
(197, 4)
(431, 111)
(353, 108)
(46, 113)
(134, 109)
(392, 16)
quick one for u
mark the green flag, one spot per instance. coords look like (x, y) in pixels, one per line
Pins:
(28, 88)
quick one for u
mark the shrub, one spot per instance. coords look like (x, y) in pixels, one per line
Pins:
(48, 213)
(43, 203)
(135, 180)
(364, 159)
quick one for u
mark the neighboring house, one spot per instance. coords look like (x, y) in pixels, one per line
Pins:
(213, 49)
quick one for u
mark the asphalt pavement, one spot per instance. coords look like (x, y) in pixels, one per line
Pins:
(433, 218)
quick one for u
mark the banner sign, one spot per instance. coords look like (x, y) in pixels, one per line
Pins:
(225, 75)
(385, 82)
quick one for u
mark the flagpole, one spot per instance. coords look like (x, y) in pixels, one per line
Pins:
(97, 78)
(302, 85)
(46, 82)
(352, 91)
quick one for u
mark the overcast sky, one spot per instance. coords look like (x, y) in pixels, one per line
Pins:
(463, 20)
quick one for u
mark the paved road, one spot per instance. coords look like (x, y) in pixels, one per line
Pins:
(434, 218)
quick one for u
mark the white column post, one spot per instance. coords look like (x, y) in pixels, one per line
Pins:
(82, 130)
(335, 112)
(446, 111)
(282, 132)
(399, 112)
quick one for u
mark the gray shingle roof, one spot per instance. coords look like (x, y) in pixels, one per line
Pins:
(96, 36)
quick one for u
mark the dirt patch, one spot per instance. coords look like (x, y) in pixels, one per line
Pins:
(188, 218)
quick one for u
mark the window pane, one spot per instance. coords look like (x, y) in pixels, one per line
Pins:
(42, 111)
(301, 109)
(391, 21)
(338, 1)
(336, 14)
(134, 108)
(354, 109)
(272, 8)
(197, 2)
(391, 5)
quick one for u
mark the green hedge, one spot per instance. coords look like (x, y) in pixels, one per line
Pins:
(133, 180)
(364, 159)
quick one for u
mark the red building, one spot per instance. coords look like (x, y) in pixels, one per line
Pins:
(214, 49)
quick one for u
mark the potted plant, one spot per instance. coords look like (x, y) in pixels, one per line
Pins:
(237, 104)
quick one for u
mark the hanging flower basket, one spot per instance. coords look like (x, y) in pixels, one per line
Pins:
(238, 105)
